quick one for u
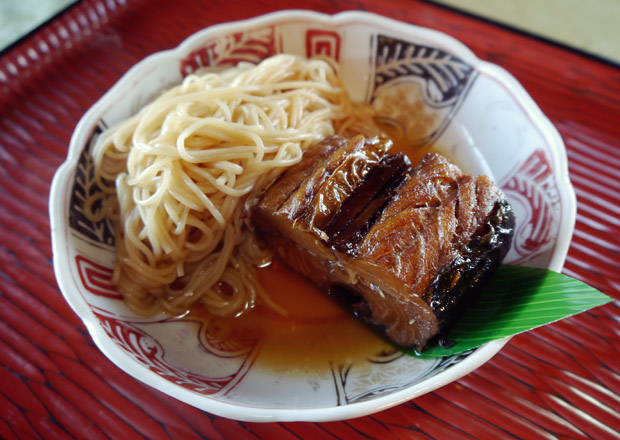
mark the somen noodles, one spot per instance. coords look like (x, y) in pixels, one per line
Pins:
(176, 176)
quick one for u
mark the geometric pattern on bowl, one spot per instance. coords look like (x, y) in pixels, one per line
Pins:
(473, 111)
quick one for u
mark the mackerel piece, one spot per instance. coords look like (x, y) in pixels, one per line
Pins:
(410, 245)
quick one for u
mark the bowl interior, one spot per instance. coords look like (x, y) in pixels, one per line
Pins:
(428, 86)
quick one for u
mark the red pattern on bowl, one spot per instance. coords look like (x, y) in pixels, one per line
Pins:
(480, 115)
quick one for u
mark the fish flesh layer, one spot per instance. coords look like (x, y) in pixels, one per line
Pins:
(408, 246)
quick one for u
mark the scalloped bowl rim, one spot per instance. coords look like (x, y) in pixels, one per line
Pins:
(63, 179)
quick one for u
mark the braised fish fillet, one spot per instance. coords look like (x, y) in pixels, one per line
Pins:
(411, 245)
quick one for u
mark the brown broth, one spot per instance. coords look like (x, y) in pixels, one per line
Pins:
(314, 333)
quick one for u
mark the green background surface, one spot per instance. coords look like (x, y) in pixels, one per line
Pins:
(18, 17)
(589, 25)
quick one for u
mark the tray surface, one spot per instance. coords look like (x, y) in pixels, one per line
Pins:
(560, 380)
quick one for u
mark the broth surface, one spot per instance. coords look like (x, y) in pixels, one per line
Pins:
(315, 332)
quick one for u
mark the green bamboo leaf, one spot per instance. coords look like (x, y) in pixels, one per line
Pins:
(515, 300)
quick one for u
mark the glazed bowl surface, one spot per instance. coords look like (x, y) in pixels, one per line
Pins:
(426, 82)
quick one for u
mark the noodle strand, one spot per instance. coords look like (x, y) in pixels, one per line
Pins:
(184, 165)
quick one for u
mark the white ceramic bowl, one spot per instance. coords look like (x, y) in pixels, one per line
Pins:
(473, 110)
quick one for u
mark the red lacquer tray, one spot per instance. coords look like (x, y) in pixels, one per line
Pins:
(558, 381)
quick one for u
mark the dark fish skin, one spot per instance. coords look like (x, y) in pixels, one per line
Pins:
(358, 213)
(412, 245)
(457, 285)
